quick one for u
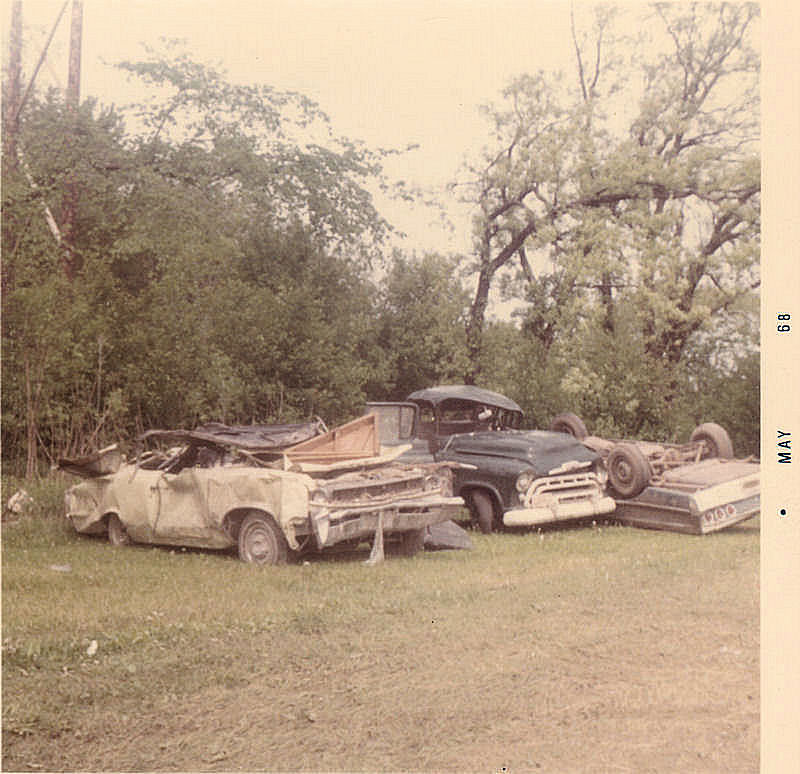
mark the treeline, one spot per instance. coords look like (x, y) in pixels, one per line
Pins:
(215, 254)
(216, 264)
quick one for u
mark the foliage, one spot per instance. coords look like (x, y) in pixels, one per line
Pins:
(42, 518)
(421, 324)
(267, 151)
(213, 265)
(214, 253)
(653, 213)
(56, 396)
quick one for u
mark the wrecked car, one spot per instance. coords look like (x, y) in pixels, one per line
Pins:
(506, 475)
(271, 492)
(695, 487)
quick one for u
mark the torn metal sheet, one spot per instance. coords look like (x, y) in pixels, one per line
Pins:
(99, 463)
(447, 535)
(252, 438)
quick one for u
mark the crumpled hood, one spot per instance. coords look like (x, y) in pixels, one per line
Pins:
(543, 450)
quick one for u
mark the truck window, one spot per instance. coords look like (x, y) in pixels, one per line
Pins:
(395, 423)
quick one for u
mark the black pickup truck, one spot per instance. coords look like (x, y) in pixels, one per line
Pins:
(505, 475)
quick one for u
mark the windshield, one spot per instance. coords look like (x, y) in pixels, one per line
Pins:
(457, 415)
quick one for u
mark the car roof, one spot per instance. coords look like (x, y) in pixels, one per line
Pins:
(252, 438)
(437, 395)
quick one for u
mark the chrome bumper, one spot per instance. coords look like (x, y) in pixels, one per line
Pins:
(543, 514)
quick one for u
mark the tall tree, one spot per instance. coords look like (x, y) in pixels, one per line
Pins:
(273, 152)
(12, 89)
(659, 205)
(221, 265)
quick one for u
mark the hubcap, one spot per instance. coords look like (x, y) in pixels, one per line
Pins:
(623, 471)
(259, 544)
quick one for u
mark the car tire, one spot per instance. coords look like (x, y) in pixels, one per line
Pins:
(481, 509)
(716, 439)
(261, 541)
(117, 534)
(628, 470)
(571, 424)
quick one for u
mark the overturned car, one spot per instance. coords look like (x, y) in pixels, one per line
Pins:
(271, 492)
(695, 487)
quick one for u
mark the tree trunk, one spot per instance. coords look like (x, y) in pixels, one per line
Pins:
(30, 423)
(477, 314)
(607, 299)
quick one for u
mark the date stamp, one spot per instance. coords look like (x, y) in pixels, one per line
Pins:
(784, 437)
(784, 447)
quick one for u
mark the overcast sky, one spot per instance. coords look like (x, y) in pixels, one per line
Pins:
(387, 72)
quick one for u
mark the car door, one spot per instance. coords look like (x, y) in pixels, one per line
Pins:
(182, 515)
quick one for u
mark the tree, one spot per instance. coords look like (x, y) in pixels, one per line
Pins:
(273, 153)
(662, 213)
(421, 323)
(55, 394)
(219, 265)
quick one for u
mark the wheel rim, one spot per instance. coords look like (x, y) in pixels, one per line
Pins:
(623, 472)
(710, 447)
(260, 544)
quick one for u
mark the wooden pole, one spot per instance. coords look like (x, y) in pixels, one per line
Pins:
(73, 96)
(13, 89)
(75, 36)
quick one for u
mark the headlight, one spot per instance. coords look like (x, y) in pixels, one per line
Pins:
(441, 481)
(524, 481)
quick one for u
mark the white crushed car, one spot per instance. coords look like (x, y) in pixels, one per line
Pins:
(272, 492)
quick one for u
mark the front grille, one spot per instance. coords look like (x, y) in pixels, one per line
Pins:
(564, 489)
(377, 488)
(366, 486)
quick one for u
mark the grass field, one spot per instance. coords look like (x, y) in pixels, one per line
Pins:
(592, 649)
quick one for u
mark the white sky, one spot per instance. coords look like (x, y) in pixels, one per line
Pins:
(387, 72)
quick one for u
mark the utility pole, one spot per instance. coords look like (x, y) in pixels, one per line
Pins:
(70, 206)
(13, 89)
(13, 108)
(75, 35)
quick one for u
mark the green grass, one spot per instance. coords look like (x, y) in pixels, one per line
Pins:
(531, 649)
